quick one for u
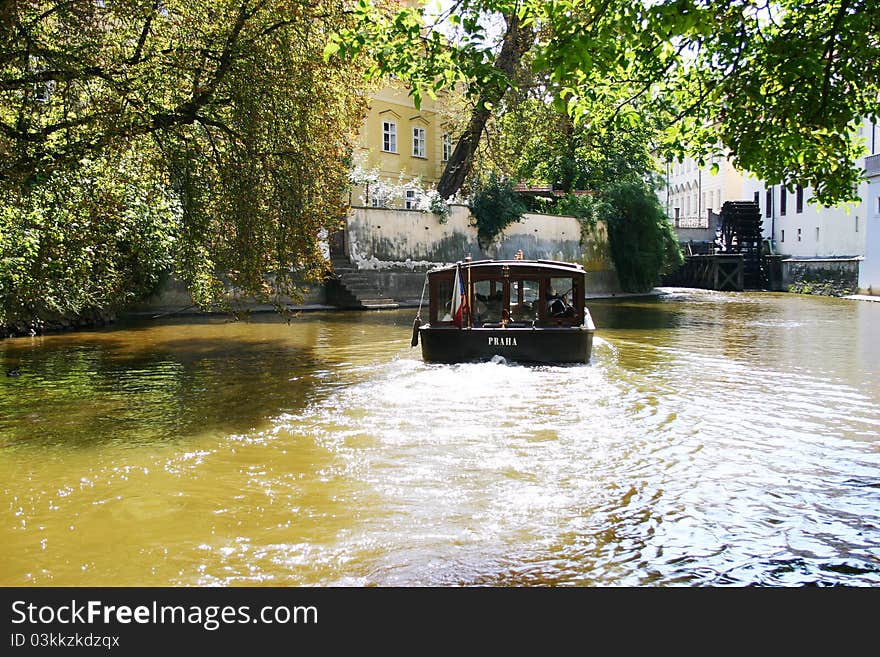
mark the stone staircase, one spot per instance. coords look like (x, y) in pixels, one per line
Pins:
(350, 288)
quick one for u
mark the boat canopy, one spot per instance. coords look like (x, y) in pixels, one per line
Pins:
(510, 293)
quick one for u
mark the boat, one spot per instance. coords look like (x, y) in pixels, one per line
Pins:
(529, 311)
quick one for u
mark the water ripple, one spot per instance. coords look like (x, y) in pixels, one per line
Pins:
(713, 440)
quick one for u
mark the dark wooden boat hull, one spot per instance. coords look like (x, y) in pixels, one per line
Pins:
(524, 345)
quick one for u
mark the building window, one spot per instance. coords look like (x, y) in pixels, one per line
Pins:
(769, 202)
(799, 200)
(758, 199)
(411, 199)
(783, 197)
(389, 136)
(817, 233)
(782, 235)
(799, 235)
(377, 199)
(447, 146)
(42, 91)
(418, 142)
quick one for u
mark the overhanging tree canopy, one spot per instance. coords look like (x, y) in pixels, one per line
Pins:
(781, 86)
(223, 109)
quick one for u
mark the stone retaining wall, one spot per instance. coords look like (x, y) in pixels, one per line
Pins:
(836, 277)
(399, 241)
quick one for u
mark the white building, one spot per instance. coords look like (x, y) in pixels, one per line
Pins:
(692, 191)
(796, 227)
(804, 230)
(869, 271)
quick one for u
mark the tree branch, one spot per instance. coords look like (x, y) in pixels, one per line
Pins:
(829, 55)
(139, 48)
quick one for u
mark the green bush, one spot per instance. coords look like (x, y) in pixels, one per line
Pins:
(495, 205)
(643, 243)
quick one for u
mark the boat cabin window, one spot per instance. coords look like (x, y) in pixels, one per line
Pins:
(560, 299)
(524, 297)
(443, 292)
(489, 303)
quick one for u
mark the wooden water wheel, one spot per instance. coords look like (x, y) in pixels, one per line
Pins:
(740, 232)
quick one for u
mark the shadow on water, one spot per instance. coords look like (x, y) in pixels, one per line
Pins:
(144, 384)
(633, 314)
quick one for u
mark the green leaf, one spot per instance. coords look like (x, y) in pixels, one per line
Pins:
(331, 49)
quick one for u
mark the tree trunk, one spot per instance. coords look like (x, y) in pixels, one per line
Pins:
(517, 41)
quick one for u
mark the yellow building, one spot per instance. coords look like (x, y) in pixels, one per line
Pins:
(401, 151)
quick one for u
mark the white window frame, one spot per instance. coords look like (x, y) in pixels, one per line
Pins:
(419, 145)
(411, 199)
(447, 146)
(389, 136)
(377, 200)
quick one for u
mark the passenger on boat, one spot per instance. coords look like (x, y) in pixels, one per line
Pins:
(558, 305)
(522, 312)
(479, 307)
(493, 304)
(488, 308)
(447, 317)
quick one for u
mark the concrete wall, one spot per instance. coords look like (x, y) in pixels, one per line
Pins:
(381, 239)
(396, 247)
(174, 297)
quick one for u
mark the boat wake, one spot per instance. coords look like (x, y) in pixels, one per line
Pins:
(602, 345)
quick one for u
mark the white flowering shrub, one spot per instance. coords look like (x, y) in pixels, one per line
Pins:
(388, 194)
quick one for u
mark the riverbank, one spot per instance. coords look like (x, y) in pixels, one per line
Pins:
(189, 310)
(317, 307)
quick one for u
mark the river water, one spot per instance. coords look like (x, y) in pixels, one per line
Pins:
(714, 439)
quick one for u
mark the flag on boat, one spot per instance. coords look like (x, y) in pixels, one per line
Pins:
(459, 298)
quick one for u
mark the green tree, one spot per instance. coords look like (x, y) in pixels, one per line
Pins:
(644, 246)
(223, 108)
(780, 86)
(495, 205)
(532, 138)
(85, 239)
